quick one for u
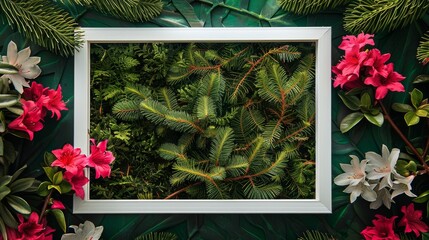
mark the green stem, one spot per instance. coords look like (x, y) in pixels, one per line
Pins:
(403, 137)
(182, 190)
(45, 206)
(426, 149)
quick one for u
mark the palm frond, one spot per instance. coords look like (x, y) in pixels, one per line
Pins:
(305, 7)
(44, 23)
(372, 16)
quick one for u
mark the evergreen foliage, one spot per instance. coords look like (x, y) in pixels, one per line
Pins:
(157, 236)
(44, 23)
(315, 235)
(129, 10)
(371, 16)
(423, 49)
(230, 124)
(309, 6)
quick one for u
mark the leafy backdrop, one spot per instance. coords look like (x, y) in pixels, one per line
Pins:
(347, 219)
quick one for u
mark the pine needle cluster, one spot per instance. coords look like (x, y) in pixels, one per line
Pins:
(239, 120)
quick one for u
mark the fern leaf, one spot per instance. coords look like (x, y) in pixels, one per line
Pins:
(305, 7)
(205, 108)
(157, 236)
(372, 16)
(138, 91)
(171, 151)
(315, 235)
(268, 191)
(44, 23)
(168, 99)
(127, 110)
(222, 146)
(130, 10)
(423, 49)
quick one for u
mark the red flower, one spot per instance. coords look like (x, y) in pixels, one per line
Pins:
(376, 61)
(360, 41)
(29, 121)
(348, 70)
(382, 230)
(412, 220)
(70, 159)
(57, 205)
(100, 159)
(55, 103)
(32, 229)
(11, 234)
(77, 181)
(384, 84)
(47, 99)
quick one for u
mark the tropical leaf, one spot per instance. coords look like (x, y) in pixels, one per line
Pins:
(309, 6)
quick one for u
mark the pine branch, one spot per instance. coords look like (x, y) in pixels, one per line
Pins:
(130, 10)
(127, 110)
(222, 146)
(267, 191)
(205, 108)
(315, 235)
(372, 16)
(137, 91)
(44, 23)
(423, 49)
(305, 7)
(171, 151)
(168, 99)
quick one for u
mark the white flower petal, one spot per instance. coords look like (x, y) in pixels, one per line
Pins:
(375, 175)
(346, 167)
(12, 53)
(23, 55)
(30, 72)
(385, 151)
(18, 81)
(369, 194)
(342, 179)
(97, 233)
(31, 61)
(393, 157)
(68, 236)
(4, 59)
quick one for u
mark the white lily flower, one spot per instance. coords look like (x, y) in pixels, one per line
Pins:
(26, 65)
(382, 167)
(362, 189)
(402, 185)
(86, 231)
(383, 197)
(354, 172)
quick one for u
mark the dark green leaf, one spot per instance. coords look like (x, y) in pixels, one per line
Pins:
(186, 9)
(50, 172)
(411, 118)
(59, 216)
(49, 158)
(352, 102)
(18, 204)
(365, 101)
(65, 187)
(21, 184)
(400, 107)
(56, 187)
(376, 120)
(18, 172)
(43, 189)
(3, 229)
(350, 121)
(7, 217)
(8, 100)
(5, 180)
(4, 191)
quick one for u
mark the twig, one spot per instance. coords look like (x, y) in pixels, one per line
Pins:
(45, 206)
(182, 190)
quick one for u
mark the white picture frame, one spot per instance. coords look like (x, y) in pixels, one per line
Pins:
(321, 36)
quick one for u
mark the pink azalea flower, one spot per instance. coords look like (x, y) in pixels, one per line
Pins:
(57, 205)
(29, 121)
(382, 229)
(412, 220)
(55, 103)
(70, 159)
(376, 61)
(360, 41)
(352, 62)
(100, 159)
(384, 84)
(32, 229)
(77, 181)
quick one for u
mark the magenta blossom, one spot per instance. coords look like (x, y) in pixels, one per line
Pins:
(360, 41)
(30, 120)
(100, 159)
(77, 181)
(412, 220)
(384, 84)
(382, 229)
(32, 229)
(70, 159)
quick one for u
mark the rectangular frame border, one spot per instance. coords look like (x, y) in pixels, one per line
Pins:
(322, 38)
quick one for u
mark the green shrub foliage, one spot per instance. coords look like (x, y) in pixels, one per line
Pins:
(206, 121)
